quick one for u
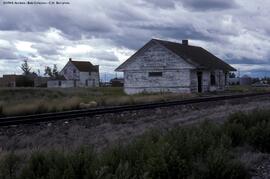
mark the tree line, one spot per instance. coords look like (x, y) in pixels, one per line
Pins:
(48, 71)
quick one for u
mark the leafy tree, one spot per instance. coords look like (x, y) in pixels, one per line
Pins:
(51, 72)
(55, 71)
(38, 72)
(48, 71)
(25, 67)
(232, 75)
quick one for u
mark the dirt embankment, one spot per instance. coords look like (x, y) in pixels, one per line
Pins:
(104, 130)
(101, 131)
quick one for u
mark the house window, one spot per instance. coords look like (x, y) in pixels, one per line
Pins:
(89, 73)
(74, 71)
(59, 83)
(155, 74)
(213, 78)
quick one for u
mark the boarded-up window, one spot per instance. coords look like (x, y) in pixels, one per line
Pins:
(155, 74)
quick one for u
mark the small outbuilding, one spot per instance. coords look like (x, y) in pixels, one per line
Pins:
(164, 66)
(245, 80)
(12, 80)
(117, 82)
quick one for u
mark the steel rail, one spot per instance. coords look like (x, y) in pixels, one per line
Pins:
(45, 117)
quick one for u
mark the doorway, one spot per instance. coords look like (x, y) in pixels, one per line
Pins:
(199, 78)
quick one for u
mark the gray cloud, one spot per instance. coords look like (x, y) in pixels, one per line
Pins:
(46, 49)
(72, 23)
(161, 3)
(205, 5)
(7, 54)
(248, 61)
(104, 55)
(235, 30)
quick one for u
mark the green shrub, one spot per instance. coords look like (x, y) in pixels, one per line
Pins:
(259, 136)
(197, 151)
(9, 166)
(250, 119)
(238, 118)
(78, 164)
(236, 132)
(179, 153)
(219, 164)
(38, 167)
(252, 128)
(81, 164)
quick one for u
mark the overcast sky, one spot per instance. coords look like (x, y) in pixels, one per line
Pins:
(107, 32)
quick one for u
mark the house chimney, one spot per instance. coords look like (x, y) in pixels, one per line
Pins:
(185, 42)
(70, 59)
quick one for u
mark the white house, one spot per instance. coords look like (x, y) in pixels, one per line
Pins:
(163, 66)
(77, 74)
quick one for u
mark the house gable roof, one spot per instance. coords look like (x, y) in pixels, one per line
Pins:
(197, 56)
(140, 51)
(84, 66)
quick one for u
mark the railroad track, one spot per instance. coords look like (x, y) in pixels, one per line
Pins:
(6, 121)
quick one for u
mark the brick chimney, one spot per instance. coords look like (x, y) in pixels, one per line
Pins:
(70, 59)
(185, 42)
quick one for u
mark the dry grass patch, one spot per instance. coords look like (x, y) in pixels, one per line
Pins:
(23, 101)
(116, 101)
(24, 109)
(41, 106)
(141, 99)
(161, 97)
(91, 104)
(68, 104)
(148, 99)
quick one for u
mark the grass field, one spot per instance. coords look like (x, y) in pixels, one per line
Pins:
(204, 150)
(246, 88)
(21, 101)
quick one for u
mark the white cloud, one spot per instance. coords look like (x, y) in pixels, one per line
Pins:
(24, 46)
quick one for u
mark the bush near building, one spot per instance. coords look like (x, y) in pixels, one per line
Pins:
(204, 150)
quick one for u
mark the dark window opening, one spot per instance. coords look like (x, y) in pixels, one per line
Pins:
(89, 73)
(199, 78)
(154, 74)
(213, 78)
(74, 71)
(219, 78)
(226, 78)
(59, 83)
